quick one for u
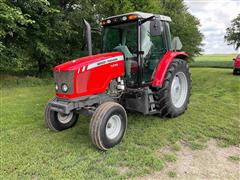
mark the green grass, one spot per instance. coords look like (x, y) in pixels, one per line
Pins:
(196, 145)
(176, 147)
(214, 60)
(215, 57)
(235, 158)
(9, 81)
(30, 151)
(170, 157)
(172, 174)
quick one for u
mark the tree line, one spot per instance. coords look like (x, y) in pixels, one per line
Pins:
(35, 35)
(233, 33)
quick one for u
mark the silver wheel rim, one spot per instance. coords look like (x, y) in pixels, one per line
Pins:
(179, 89)
(64, 118)
(113, 126)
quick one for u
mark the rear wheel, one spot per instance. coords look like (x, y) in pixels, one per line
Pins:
(173, 97)
(57, 121)
(108, 125)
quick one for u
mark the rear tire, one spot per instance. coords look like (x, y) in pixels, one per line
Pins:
(173, 97)
(58, 121)
(108, 125)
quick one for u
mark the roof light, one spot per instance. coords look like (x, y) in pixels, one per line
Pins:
(103, 22)
(124, 18)
(132, 17)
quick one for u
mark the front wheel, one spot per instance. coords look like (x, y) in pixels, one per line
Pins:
(236, 71)
(173, 97)
(57, 121)
(108, 125)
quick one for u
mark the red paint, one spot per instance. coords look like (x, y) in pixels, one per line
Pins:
(95, 80)
(164, 64)
(237, 62)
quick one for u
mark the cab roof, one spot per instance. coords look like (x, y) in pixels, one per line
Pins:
(142, 15)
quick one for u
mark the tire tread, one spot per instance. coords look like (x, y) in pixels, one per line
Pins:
(96, 121)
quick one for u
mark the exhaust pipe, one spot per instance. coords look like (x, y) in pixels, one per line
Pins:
(88, 36)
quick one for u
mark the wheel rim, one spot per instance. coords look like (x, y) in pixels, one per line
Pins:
(113, 126)
(179, 89)
(64, 118)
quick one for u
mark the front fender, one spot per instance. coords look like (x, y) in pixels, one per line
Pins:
(164, 64)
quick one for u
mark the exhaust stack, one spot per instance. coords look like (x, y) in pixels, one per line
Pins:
(88, 36)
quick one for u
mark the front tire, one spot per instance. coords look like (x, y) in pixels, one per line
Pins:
(57, 121)
(236, 72)
(108, 125)
(173, 97)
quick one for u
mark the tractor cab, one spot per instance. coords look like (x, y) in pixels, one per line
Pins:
(144, 38)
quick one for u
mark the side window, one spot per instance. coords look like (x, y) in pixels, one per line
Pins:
(154, 49)
(168, 34)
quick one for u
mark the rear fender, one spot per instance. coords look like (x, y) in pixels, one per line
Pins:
(164, 64)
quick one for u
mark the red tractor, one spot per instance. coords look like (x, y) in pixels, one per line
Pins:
(236, 65)
(140, 69)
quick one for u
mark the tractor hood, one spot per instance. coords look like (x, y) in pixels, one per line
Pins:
(89, 61)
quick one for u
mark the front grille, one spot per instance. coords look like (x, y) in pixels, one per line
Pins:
(65, 77)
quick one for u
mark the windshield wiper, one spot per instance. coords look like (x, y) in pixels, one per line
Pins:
(147, 19)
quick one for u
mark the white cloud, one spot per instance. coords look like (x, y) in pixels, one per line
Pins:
(215, 16)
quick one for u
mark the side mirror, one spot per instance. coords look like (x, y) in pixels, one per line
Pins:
(176, 44)
(156, 27)
(234, 59)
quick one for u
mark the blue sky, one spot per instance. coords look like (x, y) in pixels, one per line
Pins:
(215, 16)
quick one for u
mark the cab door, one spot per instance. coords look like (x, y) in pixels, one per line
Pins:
(153, 47)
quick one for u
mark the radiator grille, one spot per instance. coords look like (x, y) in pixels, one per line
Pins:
(66, 77)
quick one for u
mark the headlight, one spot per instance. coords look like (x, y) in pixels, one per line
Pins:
(56, 87)
(64, 88)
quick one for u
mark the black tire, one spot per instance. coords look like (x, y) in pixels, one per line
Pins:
(99, 122)
(166, 105)
(236, 72)
(52, 121)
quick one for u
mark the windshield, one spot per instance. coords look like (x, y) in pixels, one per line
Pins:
(120, 35)
(123, 38)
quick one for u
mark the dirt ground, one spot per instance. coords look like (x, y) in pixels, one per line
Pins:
(210, 163)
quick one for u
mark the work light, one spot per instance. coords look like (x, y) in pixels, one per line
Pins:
(56, 87)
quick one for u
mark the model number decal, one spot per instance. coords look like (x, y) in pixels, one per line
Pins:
(114, 65)
(105, 61)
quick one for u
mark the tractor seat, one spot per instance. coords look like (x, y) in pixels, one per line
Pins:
(125, 50)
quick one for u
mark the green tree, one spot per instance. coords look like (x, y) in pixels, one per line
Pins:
(183, 23)
(53, 36)
(233, 33)
(13, 25)
(38, 34)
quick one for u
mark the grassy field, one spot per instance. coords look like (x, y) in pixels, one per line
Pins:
(30, 151)
(214, 60)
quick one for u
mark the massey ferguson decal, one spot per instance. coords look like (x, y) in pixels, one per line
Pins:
(104, 62)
